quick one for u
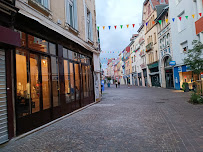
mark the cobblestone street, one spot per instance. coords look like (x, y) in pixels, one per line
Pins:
(126, 120)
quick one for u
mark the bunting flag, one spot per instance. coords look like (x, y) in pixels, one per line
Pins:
(186, 17)
(127, 25)
(180, 18)
(193, 15)
(133, 25)
(153, 22)
(103, 27)
(121, 26)
(160, 21)
(146, 23)
(173, 19)
(109, 27)
(200, 14)
(115, 26)
(166, 20)
(98, 27)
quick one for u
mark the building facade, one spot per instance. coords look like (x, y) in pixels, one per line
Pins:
(183, 33)
(55, 66)
(165, 50)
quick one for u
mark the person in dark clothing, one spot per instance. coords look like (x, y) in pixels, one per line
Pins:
(119, 84)
(116, 84)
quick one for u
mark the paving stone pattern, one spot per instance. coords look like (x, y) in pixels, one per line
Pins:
(126, 120)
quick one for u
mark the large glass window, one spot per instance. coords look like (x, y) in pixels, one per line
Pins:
(72, 83)
(55, 81)
(67, 81)
(37, 44)
(22, 84)
(45, 83)
(52, 48)
(34, 83)
(77, 81)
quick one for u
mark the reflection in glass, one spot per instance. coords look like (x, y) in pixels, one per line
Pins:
(65, 53)
(72, 82)
(77, 81)
(67, 82)
(22, 84)
(52, 48)
(35, 84)
(37, 44)
(84, 81)
(45, 83)
(55, 82)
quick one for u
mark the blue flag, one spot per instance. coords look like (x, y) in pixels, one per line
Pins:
(109, 27)
(173, 19)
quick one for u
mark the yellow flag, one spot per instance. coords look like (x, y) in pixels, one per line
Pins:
(193, 15)
(127, 25)
(103, 27)
(166, 20)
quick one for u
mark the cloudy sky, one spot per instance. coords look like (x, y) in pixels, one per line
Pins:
(117, 12)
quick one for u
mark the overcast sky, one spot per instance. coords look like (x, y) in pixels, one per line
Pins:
(117, 12)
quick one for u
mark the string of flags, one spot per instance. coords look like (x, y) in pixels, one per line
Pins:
(110, 52)
(153, 22)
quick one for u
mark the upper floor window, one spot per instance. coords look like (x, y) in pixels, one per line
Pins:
(44, 3)
(71, 13)
(181, 23)
(89, 24)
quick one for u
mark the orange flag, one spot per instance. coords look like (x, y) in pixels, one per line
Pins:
(193, 15)
(103, 27)
(153, 22)
(127, 25)
(166, 20)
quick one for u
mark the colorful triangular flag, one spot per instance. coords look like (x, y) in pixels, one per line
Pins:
(186, 17)
(103, 27)
(109, 27)
(166, 20)
(98, 27)
(127, 25)
(153, 22)
(146, 23)
(173, 19)
(160, 21)
(121, 26)
(180, 18)
(133, 25)
(200, 14)
(193, 15)
(115, 26)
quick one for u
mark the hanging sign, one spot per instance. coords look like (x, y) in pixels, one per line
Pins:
(172, 63)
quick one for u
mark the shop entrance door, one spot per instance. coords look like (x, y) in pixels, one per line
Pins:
(33, 102)
(3, 100)
(169, 79)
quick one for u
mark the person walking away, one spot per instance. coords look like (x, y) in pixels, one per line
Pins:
(116, 84)
(119, 84)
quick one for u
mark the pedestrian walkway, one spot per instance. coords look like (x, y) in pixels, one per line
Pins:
(126, 120)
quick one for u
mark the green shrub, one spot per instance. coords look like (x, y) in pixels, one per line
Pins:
(196, 98)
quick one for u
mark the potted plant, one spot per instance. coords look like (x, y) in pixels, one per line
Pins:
(185, 87)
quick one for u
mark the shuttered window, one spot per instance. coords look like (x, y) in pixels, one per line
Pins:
(3, 100)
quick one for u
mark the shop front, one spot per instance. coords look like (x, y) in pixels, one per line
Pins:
(145, 77)
(154, 74)
(134, 78)
(50, 81)
(140, 79)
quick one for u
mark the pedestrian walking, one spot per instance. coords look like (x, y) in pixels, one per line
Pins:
(116, 84)
(119, 84)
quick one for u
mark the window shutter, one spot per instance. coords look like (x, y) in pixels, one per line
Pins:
(75, 15)
(91, 30)
(67, 12)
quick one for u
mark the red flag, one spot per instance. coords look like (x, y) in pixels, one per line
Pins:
(200, 14)
(180, 18)
(153, 22)
(133, 25)
(115, 27)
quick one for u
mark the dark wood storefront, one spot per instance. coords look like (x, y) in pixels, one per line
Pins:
(54, 76)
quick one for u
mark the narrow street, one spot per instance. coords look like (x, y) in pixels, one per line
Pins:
(126, 120)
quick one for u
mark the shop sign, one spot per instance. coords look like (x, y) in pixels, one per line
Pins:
(172, 63)
(202, 75)
(153, 65)
(180, 69)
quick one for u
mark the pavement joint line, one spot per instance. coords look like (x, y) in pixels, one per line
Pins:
(50, 123)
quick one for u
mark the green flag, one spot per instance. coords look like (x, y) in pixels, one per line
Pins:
(186, 17)
(98, 27)
(121, 26)
(160, 21)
